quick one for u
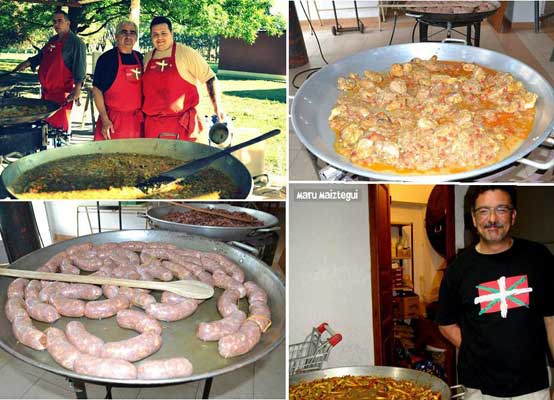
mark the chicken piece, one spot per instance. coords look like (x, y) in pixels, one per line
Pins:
(373, 76)
(398, 86)
(351, 134)
(396, 70)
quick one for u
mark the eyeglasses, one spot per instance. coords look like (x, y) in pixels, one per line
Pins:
(501, 211)
(127, 33)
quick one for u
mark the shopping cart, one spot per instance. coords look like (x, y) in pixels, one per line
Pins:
(310, 354)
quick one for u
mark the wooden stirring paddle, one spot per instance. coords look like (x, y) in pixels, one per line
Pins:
(212, 212)
(186, 288)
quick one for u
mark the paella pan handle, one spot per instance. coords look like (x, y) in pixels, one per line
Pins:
(459, 391)
(243, 246)
(453, 40)
(538, 165)
(265, 230)
(16, 154)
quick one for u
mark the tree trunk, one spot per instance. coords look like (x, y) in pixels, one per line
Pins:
(134, 16)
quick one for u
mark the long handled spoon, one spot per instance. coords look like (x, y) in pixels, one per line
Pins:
(186, 288)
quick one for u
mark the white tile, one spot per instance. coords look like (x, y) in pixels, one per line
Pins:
(57, 380)
(46, 390)
(302, 168)
(17, 364)
(238, 384)
(270, 375)
(14, 382)
(99, 392)
(183, 391)
(294, 142)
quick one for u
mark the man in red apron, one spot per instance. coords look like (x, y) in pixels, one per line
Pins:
(117, 88)
(170, 93)
(62, 69)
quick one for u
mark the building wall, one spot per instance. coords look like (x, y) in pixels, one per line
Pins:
(329, 273)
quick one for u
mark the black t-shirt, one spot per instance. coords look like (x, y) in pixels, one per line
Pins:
(106, 67)
(504, 347)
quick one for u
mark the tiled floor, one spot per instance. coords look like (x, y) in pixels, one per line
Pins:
(264, 379)
(534, 49)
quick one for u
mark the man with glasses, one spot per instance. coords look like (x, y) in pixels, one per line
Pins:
(496, 304)
(170, 92)
(117, 88)
(62, 69)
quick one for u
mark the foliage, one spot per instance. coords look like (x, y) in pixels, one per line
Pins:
(23, 23)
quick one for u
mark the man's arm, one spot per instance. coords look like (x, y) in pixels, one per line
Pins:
(107, 126)
(453, 333)
(549, 325)
(214, 93)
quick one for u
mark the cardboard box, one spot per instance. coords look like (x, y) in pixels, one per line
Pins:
(404, 307)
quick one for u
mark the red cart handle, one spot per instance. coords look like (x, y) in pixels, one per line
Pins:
(335, 337)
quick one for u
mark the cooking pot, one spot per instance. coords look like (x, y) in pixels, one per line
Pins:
(316, 98)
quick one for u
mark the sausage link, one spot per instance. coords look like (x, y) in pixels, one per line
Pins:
(228, 302)
(83, 340)
(164, 369)
(110, 291)
(67, 268)
(254, 292)
(79, 248)
(224, 281)
(59, 347)
(155, 269)
(215, 330)
(240, 342)
(103, 250)
(26, 333)
(132, 245)
(41, 311)
(133, 349)
(68, 307)
(171, 312)
(83, 291)
(228, 266)
(124, 257)
(138, 321)
(32, 290)
(104, 367)
(144, 273)
(125, 272)
(137, 297)
(160, 245)
(54, 262)
(17, 287)
(260, 314)
(172, 298)
(87, 260)
(177, 270)
(106, 308)
(50, 290)
(15, 306)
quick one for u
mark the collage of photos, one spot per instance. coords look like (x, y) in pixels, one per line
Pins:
(271, 199)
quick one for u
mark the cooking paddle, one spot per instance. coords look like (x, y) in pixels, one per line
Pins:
(186, 288)
(177, 174)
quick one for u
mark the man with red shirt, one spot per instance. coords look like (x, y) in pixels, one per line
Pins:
(117, 88)
(170, 93)
(62, 69)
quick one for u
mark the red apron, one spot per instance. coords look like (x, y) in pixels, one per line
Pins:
(123, 101)
(169, 100)
(56, 81)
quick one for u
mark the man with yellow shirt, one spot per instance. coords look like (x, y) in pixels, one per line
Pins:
(169, 85)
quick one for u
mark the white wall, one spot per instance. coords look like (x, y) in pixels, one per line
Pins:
(329, 273)
(523, 11)
(459, 194)
(345, 9)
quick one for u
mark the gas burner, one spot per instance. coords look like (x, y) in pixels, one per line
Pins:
(23, 138)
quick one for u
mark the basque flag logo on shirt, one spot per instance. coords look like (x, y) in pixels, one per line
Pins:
(503, 294)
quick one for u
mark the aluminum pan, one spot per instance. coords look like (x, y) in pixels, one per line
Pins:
(178, 149)
(315, 99)
(156, 214)
(178, 337)
(52, 107)
(418, 377)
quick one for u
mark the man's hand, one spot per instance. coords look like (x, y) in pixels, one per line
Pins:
(107, 128)
(453, 333)
(22, 66)
(74, 95)
(220, 116)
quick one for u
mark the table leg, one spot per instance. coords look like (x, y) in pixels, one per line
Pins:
(79, 388)
(207, 388)
(477, 27)
(423, 31)
(468, 34)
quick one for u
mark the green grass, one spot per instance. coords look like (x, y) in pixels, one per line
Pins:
(254, 102)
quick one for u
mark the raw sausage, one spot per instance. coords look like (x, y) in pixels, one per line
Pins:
(78, 248)
(68, 307)
(41, 311)
(210, 331)
(155, 269)
(33, 289)
(254, 292)
(50, 290)
(133, 349)
(83, 340)
(227, 302)
(15, 306)
(137, 297)
(224, 281)
(81, 291)
(163, 369)
(61, 350)
(67, 268)
(240, 342)
(138, 321)
(26, 333)
(177, 270)
(17, 287)
(87, 260)
(228, 266)
(106, 308)
(171, 312)
(104, 367)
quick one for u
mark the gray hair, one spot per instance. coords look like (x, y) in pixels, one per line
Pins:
(125, 22)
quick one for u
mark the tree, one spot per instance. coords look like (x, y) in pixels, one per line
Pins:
(19, 21)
